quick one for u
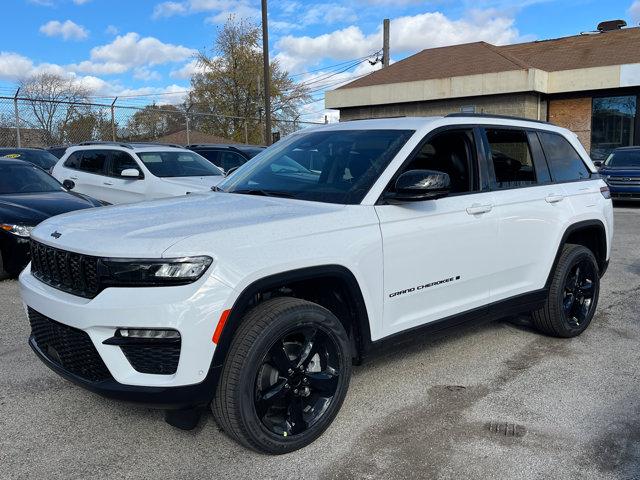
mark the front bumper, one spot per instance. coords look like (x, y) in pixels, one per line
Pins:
(193, 310)
(624, 192)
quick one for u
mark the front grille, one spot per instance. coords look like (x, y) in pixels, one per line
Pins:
(623, 181)
(67, 347)
(157, 359)
(67, 271)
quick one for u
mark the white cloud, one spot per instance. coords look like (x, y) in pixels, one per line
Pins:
(239, 10)
(169, 9)
(112, 30)
(328, 13)
(634, 12)
(131, 51)
(68, 30)
(187, 70)
(81, 2)
(143, 73)
(14, 66)
(408, 34)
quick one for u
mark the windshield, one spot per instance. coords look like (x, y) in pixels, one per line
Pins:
(624, 158)
(178, 164)
(334, 166)
(26, 179)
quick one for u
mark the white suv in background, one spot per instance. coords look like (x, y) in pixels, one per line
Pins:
(257, 298)
(133, 172)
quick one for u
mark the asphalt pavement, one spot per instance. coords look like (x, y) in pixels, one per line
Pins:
(496, 401)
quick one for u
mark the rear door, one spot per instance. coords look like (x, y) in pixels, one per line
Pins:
(87, 169)
(439, 255)
(530, 208)
(124, 189)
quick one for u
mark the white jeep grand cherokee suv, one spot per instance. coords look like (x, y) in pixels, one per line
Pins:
(257, 299)
(133, 172)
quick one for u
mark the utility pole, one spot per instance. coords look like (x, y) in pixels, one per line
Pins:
(385, 42)
(15, 109)
(267, 74)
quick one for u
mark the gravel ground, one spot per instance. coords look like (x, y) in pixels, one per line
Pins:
(432, 409)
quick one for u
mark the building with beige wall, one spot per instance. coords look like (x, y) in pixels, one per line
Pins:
(588, 83)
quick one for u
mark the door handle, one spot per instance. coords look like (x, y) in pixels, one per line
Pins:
(73, 178)
(554, 198)
(477, 209)
(107, 183)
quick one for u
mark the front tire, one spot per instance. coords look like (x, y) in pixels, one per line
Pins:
(573, 294)
(285, 377)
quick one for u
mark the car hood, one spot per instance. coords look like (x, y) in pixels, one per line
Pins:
(621, 172)
(196, 184)
(33, 208)
(148, 229)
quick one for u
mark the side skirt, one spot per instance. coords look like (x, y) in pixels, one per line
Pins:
(523, 303)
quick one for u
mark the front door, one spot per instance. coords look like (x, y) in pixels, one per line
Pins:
(439, 254)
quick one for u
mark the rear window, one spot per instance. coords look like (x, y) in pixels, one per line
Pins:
(564, 162)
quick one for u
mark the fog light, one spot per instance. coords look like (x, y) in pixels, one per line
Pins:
(147, 333)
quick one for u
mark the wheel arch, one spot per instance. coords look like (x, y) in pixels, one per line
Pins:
(589, 233)
(335, 278)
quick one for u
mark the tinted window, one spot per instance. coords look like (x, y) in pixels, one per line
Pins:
(451, 152)
(94, 161)
(624, 158)
(212, 155)
(121, 161)
(73, 161)
(511, 158)
(42, 159)
(231, 160)
(352, 160)
(564, 162)
(26, 179)
(178, 164)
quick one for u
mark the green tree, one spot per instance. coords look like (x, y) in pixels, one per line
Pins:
(154, 121)
(229, 84)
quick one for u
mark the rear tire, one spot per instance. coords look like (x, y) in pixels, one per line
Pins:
(573, 294)
(285, 376)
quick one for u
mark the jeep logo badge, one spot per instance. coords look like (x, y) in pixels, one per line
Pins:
(56, 234)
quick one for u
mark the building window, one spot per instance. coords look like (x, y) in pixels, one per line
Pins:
(612, 122)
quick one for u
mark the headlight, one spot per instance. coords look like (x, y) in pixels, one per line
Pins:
(19, 230)
(123, 272)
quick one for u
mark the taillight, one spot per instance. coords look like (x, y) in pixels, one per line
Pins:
(605, 192)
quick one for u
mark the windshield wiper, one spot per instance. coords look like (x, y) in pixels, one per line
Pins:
(264, 193)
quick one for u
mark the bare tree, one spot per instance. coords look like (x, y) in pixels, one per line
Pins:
(54, 102)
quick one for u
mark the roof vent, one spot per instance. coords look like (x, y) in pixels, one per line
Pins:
(611, 25)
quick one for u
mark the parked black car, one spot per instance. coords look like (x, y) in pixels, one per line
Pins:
(38, 156)
(621, 170)
(226, 157)
(28, 195)
(58, 151)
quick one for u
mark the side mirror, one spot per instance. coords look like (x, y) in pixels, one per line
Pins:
(415, 185)
(598, 163)
(130, 173)
(68, 184)
(230, 171)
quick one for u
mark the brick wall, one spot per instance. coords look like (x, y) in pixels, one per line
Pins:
(518, 105)
(574, 114)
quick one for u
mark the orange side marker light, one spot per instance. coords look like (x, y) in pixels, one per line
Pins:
(220, 326)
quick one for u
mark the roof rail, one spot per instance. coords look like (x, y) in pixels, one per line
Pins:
(115, 144)
(489, 115)
(153, 144)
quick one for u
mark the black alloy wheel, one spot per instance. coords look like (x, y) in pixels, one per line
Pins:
(297, 381)
(284, 377)
(573, 294)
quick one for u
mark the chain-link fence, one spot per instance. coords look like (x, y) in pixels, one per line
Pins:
(26, 122)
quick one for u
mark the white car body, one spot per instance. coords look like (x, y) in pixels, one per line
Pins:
(414, 263)
(118, 189)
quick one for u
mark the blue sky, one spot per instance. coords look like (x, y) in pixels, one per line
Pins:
(139, 47)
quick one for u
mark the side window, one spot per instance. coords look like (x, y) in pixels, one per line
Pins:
(564, 162)
(212, 155)
(93, 161)
(511, 158)
(73, 161)
(231, 160)
(451, 152)
(121, 161)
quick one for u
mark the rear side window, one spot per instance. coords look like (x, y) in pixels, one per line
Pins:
(73, 161)
(93, 161)
(564, 162)
(511, 157)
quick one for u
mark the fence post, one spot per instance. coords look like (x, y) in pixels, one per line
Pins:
(187, 121)
(246, 131)
(113, 119)
(15, 108)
